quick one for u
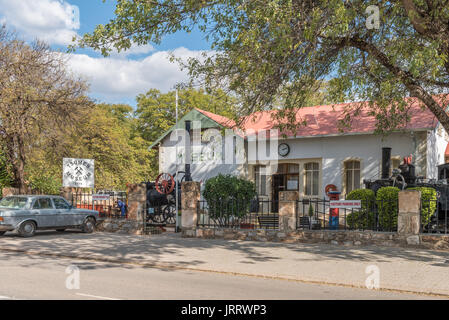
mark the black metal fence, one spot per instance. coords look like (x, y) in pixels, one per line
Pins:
(311, 214)
(108, 208)
(375, 215)
(434, 215)
(256, 214)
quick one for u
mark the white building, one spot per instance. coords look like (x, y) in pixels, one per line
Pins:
(318, 155)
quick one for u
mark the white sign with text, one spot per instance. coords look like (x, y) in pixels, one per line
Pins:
(346, 204)
(100, 197)
(78, 173)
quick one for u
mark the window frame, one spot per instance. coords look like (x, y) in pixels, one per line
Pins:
(257, 182)
(313, 171)
(344, 176)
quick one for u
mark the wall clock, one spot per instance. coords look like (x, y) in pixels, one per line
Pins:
(283, 149)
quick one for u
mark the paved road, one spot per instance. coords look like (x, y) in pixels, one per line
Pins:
(24, 276)
(409, 269)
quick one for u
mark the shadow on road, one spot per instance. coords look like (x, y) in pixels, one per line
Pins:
(150, 249)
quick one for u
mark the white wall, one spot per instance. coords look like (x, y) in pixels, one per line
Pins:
(366, 148)
(332, 151)
(437, 140)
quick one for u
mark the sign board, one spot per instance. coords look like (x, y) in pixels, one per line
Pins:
(346, 204)
(78, 173)
(100, 197)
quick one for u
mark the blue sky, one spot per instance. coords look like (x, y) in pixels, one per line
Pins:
(116, 79)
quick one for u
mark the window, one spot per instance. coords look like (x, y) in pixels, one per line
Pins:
(260, 178)
(13, 202)
(352, 175)
(312, 173)
(43, 203)
(61, 204)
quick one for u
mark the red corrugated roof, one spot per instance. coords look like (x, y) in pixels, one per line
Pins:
(224, 121)
(323, 120)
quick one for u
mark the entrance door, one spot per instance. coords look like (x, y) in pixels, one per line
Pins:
(278, 184)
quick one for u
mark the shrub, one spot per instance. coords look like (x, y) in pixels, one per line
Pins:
(387, 205)
(311, 213)
(363, 218)
(228, 195)
(428, 203)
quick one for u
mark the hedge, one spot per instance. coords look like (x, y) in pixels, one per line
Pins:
(387, 205)
(363, 218)
(428, 203)
(228, 195)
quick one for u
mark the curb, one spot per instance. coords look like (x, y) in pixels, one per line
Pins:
(90, 257)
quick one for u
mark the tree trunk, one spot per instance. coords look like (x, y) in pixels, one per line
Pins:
(15, 151)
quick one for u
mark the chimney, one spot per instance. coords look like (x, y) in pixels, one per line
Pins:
(386, 163)
(188, 176)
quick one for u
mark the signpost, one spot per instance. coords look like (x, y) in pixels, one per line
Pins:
(78, 173)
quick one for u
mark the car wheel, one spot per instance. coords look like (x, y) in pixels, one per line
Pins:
(27, 229)
(60, 230)
(2, 233)
(88, 225)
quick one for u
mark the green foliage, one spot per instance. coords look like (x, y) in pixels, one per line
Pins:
(228, 195)
(311, 213)
(107, 134)
(5, 177)
(363, 218)
(44, 182)
(387, 205)
(264, 50)
(156, 111)
(428, 203)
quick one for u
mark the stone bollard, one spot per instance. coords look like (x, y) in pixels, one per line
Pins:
(190, 195)
(409, 217)
(137, 197)
(287, 210)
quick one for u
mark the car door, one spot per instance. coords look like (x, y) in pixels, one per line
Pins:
(65, 214)
(46, 215)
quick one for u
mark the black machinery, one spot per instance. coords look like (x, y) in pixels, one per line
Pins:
(161, 199)
(405, 178)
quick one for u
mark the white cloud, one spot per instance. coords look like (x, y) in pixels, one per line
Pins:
(135, 50)
(115, 79)
(54, 21)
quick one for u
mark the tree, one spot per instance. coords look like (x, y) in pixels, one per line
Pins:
(106, 133)
(156, 111)
(39, 99)
(265, 48)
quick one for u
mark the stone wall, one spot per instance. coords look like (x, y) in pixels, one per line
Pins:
(120, 226)
(340, 237)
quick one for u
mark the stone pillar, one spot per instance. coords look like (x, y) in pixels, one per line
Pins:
(287, 210)
(137, 197)
(190, 195)
(66, 193)
(409, 215)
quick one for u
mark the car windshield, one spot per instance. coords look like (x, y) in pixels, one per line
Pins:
(13, 202)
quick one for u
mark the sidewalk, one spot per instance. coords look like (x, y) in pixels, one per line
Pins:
(401, 269)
